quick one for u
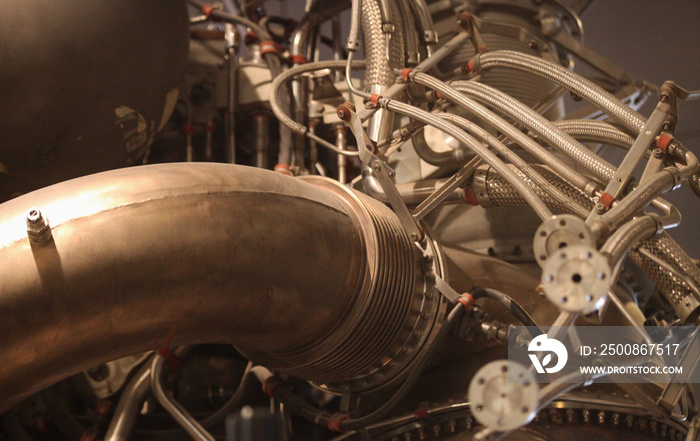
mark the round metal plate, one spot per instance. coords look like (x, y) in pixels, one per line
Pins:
(557, 233)
(499, 404)
(576, 279)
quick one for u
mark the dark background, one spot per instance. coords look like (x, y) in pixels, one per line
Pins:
(657, 40)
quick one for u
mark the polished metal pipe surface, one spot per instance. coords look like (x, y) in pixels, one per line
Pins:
(163, 255)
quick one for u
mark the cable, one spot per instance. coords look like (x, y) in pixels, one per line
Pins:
(511, 305)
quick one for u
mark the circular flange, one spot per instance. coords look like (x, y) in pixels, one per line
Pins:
(499, 404)
(557, 233)
(576, 279)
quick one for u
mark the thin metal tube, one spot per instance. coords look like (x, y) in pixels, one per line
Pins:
(289, 122)
(341, 141)
(573, 82)
(523, 189)
(175, 409)
(448, 48)
(448, 158)
(231, 61)
(132, 397)
(557, 139)
(627, 236)
(348, 78)
(557, 195)
(499, 123)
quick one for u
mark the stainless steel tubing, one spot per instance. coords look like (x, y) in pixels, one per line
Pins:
(319, 12)
(557, 139)
(591, 130)
(231, 60)
(261, 122)
(164, 255)
(489, 157)
(573, 82)
(449, 158)
(637, 200)
(500, 124)
(520, 164)
(130, 402)
(283, 116)
(627, 237)
(175, 409)
(684, 300)
(493, 189)
(412, 193)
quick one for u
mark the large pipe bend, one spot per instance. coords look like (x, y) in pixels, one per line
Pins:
(164, 255)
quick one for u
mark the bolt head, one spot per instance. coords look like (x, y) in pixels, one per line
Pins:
(34, 216)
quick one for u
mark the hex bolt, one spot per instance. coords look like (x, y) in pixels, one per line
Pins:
(38, 228)
(600, 208)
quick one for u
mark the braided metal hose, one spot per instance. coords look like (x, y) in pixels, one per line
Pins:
(693, 183)
(676, 291)
(379, 71)
(580, 86)
(645, 193)
(494, 190)
(556, 138)
(591, 130)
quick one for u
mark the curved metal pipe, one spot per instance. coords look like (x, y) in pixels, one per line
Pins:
(163, 255)
(175, 409)
(130, 403)
(412, 193)
(448, 158)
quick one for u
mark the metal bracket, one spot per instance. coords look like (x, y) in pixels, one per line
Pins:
(383, 173)
(446, 290)
(447, 188)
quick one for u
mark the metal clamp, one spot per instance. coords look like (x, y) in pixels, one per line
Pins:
(382, 171)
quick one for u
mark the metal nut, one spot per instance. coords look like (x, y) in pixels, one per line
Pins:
(38, 228)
